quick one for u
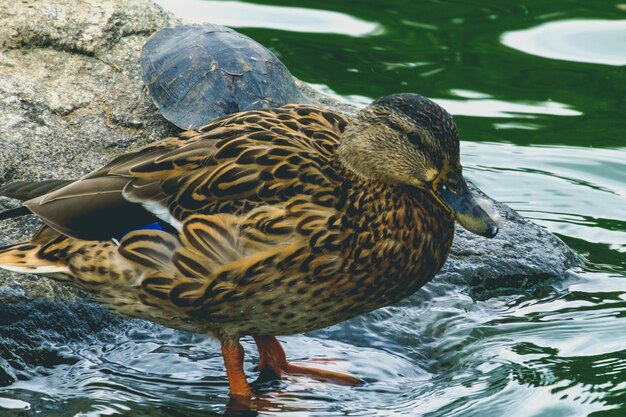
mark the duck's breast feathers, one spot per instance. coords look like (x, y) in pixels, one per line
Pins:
(229, 166)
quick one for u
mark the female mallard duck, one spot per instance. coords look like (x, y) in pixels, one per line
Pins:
(262, 223)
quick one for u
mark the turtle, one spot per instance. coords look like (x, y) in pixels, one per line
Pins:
(201, 72)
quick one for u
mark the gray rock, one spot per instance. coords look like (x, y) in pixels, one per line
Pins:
(71, 98)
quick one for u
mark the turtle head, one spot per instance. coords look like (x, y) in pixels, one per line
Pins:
(407, 139)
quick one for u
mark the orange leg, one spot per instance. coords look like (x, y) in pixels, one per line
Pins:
(233, 360)
(272, 358)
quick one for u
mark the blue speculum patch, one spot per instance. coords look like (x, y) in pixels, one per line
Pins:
(157, 225)
(153, 226)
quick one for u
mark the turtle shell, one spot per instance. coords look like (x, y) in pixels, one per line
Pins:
(197, 73)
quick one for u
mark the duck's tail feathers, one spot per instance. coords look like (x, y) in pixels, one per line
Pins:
(27, 258)
(16, 212)
(27, 190)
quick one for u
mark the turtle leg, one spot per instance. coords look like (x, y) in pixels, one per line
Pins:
(232, 353)
(273, 363)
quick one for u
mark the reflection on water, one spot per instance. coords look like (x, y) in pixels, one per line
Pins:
(295, 19)
(476, 104)
(12, 404)
(545, 136)
(472, 103)
(594, 41)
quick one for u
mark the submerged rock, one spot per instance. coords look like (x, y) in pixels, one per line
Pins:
(72, 98)
(30, 333)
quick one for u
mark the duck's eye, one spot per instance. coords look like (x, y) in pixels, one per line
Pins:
(414, 138)
(453, 184)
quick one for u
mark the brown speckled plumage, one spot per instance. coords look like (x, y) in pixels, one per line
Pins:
(270, 229)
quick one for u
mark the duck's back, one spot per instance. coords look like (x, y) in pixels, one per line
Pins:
(229, 166)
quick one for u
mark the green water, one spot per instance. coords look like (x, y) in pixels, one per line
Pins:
(538, 90)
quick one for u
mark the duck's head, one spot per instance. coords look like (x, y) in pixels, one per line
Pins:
(406, 139)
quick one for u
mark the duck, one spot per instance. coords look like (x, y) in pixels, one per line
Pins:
(264, 223)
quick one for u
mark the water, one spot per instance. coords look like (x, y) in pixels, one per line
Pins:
(538, 90)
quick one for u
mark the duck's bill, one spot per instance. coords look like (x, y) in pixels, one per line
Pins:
(466, 209)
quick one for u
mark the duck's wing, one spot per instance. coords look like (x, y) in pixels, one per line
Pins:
(26, 190)
(93, 207)
(229, 269)
(229, 166)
